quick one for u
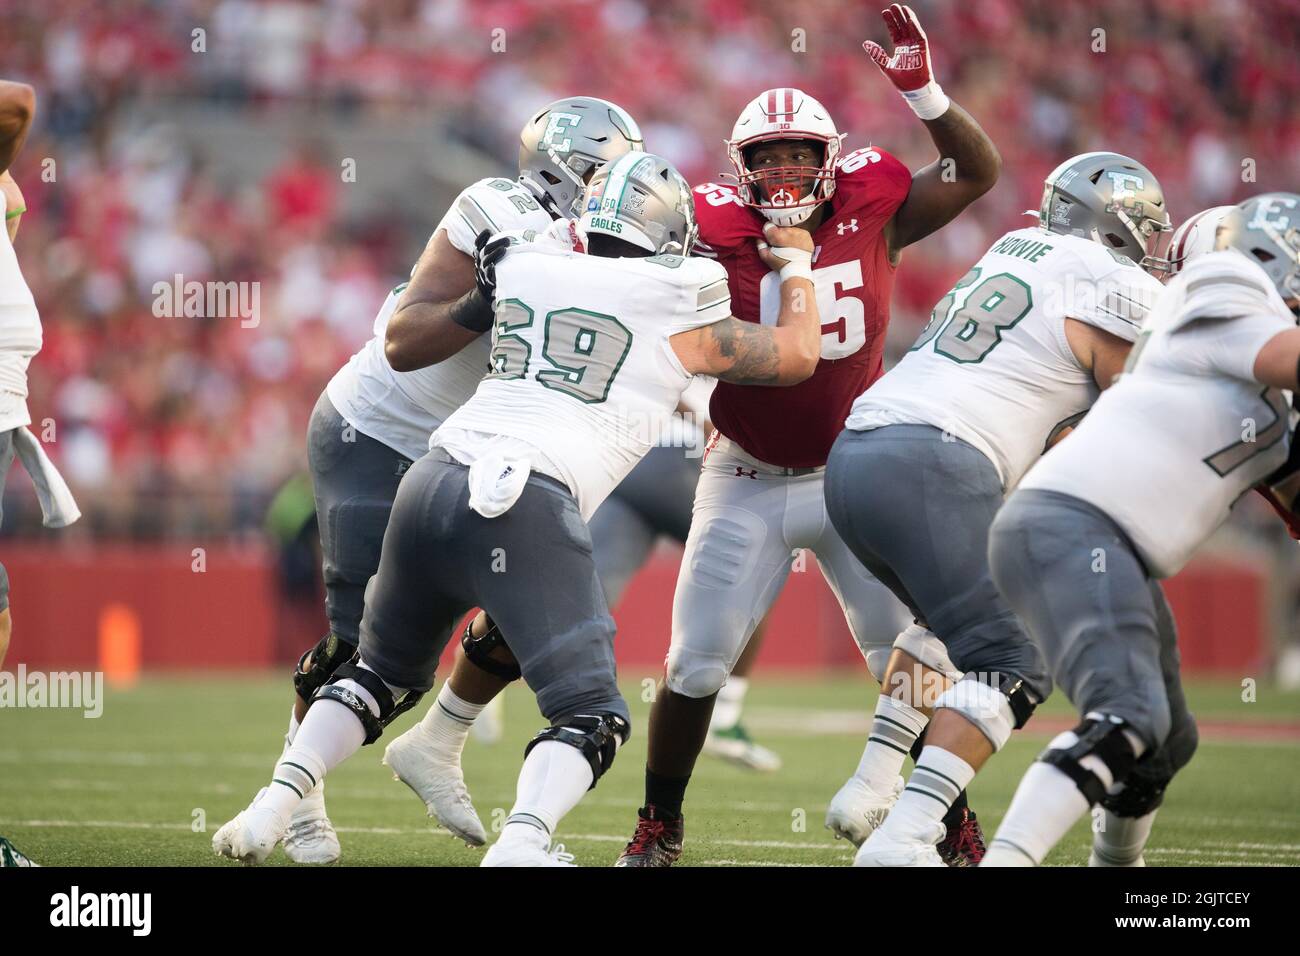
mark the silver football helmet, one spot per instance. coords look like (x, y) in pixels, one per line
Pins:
(1266, 229)
(561, 145)
(1110, 199)
(642, 199)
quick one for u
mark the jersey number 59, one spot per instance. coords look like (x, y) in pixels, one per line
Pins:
(581, 351)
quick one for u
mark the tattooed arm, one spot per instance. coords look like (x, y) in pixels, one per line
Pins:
(746, 353)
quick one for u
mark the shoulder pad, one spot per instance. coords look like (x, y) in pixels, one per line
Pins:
(871, 178)
(724, 221)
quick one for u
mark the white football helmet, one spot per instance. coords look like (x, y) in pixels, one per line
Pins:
(780, 193)
(1195, 236)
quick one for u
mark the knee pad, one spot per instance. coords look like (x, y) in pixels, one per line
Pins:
(996, 711)
(1144, 788)
(923, 644)
(693, 674)
(389, 709)
(1100, 749)
(1137, 798)
(596, 736)
(326, 656)
(478, 650)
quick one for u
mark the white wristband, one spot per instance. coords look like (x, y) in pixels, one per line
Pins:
(798, 262)
(929, 102)
(796, 270)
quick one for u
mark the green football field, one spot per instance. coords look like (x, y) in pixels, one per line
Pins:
(173, 758)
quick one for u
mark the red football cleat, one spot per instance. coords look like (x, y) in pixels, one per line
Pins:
(656, 842)
(964, 844)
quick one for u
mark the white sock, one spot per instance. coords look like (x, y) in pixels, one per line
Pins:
(731, 699)
(448, 722)
(552, 782)
(1122, 839)
(893, 732)
(940, 775)
(1047, 803)
(328, 735)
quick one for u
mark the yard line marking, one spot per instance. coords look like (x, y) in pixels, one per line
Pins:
(756, 863)
(1275, 854)
(1226, 852)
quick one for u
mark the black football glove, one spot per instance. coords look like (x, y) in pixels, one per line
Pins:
(487, 253)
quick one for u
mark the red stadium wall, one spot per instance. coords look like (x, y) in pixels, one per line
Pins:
(121, 607)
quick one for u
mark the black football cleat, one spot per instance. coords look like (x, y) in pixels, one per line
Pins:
(656, 842)
(964, 843)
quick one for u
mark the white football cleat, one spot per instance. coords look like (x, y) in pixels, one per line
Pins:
(252, 835)
(311, 837)
(733, 745)
(490, 725)
(440, 783)
(856, 811)
(527, 851)
(883, 850)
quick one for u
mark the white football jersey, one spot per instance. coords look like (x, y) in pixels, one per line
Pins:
(1187, 429)
(401, 409)
(582, 369)
(993, 366)
(20, 335)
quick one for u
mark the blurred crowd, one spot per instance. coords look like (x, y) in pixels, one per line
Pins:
(184, 425)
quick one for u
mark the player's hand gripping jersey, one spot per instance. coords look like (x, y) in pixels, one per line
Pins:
(583, 377)
(401, 409)
(993, 367)
(795, 427)
(1187, 430)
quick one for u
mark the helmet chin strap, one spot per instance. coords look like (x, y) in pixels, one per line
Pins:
(787, 217)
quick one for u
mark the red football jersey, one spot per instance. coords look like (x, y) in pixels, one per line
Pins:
(795, 427)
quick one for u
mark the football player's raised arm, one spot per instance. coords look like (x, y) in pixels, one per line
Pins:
(746, 353)
(1278, 362)
(968, 163)
(17, 107)
(439, 313)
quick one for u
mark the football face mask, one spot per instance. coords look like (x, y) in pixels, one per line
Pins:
(786, 174)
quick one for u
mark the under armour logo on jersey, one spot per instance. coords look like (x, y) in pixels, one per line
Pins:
(843, 227)
(742, 473)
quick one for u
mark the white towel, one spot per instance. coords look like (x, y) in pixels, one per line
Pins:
(58, 507)
(495, 484)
